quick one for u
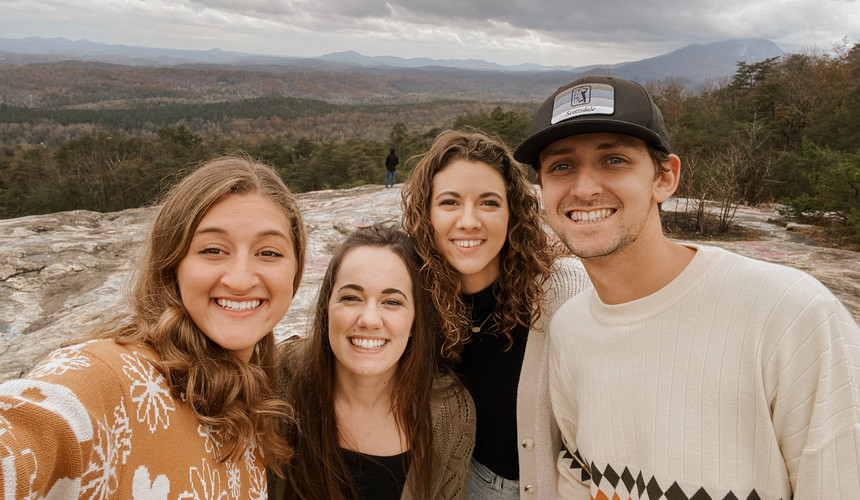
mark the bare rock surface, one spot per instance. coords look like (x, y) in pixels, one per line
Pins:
(837, 269)
(63, 273)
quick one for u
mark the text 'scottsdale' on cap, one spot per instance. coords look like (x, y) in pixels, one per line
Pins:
(594, 104)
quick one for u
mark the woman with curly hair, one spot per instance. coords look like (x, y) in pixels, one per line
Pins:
(377, 417)
(496, 281)
(180, 396)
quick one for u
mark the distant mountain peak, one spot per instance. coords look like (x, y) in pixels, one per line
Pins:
(699, 63)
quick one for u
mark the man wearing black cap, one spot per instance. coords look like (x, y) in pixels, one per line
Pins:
(687, 371)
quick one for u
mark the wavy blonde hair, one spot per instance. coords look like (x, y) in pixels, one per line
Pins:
(525, 258)
(237, 398)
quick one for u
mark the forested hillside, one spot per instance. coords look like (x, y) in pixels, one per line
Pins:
(102, 85)
(105, 137)
(285, 118)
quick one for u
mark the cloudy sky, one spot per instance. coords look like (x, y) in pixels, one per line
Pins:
(548, 32)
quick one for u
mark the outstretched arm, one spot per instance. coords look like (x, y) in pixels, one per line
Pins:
(51, 425)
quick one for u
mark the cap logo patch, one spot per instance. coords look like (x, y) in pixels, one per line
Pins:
(588, 99)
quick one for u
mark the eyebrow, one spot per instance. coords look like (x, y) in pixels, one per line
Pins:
(390, 291)
(455, 194)
(261, 234)
(359, 288)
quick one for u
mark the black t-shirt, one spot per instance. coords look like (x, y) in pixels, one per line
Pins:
(391, 161)
(492, 375)
(377, 478)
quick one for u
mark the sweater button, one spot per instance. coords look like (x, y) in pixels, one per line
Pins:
(530, 488)
(528, 444)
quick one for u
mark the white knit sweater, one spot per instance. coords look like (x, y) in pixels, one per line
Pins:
(739, 377)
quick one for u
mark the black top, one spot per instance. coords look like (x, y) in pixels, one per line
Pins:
(492, 375)
(377, 478)
(391, 161)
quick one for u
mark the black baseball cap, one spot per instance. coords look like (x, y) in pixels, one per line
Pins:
(594, 104)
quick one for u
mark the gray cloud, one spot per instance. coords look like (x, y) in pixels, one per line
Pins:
(660, 22)
(510, 32)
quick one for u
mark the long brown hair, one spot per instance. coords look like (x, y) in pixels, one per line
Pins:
(318, 469)
(525, 258)
(239, 399)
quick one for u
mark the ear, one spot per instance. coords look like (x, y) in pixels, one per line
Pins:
(667, 182)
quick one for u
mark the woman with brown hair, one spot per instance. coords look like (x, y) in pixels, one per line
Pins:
(376, 416)
(496, 281)
(179, 396)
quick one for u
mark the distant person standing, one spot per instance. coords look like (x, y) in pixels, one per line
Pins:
(391, 162)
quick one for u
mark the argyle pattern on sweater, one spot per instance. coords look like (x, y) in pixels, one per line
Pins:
(630, 484)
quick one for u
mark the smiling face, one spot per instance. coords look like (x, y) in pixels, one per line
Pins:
(469, 214)
(371, 310)
(236, 281)
(601, 194)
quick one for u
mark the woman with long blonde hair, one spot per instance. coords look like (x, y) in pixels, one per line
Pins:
(180, 396)
(496, 281)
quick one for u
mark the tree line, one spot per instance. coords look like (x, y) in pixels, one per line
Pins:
(781, 130)
(109, 169)
(784, 130)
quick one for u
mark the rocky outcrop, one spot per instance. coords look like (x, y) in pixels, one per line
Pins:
(63, 273)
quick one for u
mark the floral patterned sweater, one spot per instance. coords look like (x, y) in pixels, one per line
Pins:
(97, 420)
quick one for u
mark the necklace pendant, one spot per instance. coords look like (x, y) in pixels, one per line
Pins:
(477, 328)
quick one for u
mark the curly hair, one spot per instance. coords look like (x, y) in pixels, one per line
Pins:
(525, 258)
(318, 470)
(237, 398)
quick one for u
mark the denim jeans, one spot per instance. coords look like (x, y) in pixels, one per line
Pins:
(484, 484)
(389, 174)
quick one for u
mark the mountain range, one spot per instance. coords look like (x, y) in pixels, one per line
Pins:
(696, 63)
